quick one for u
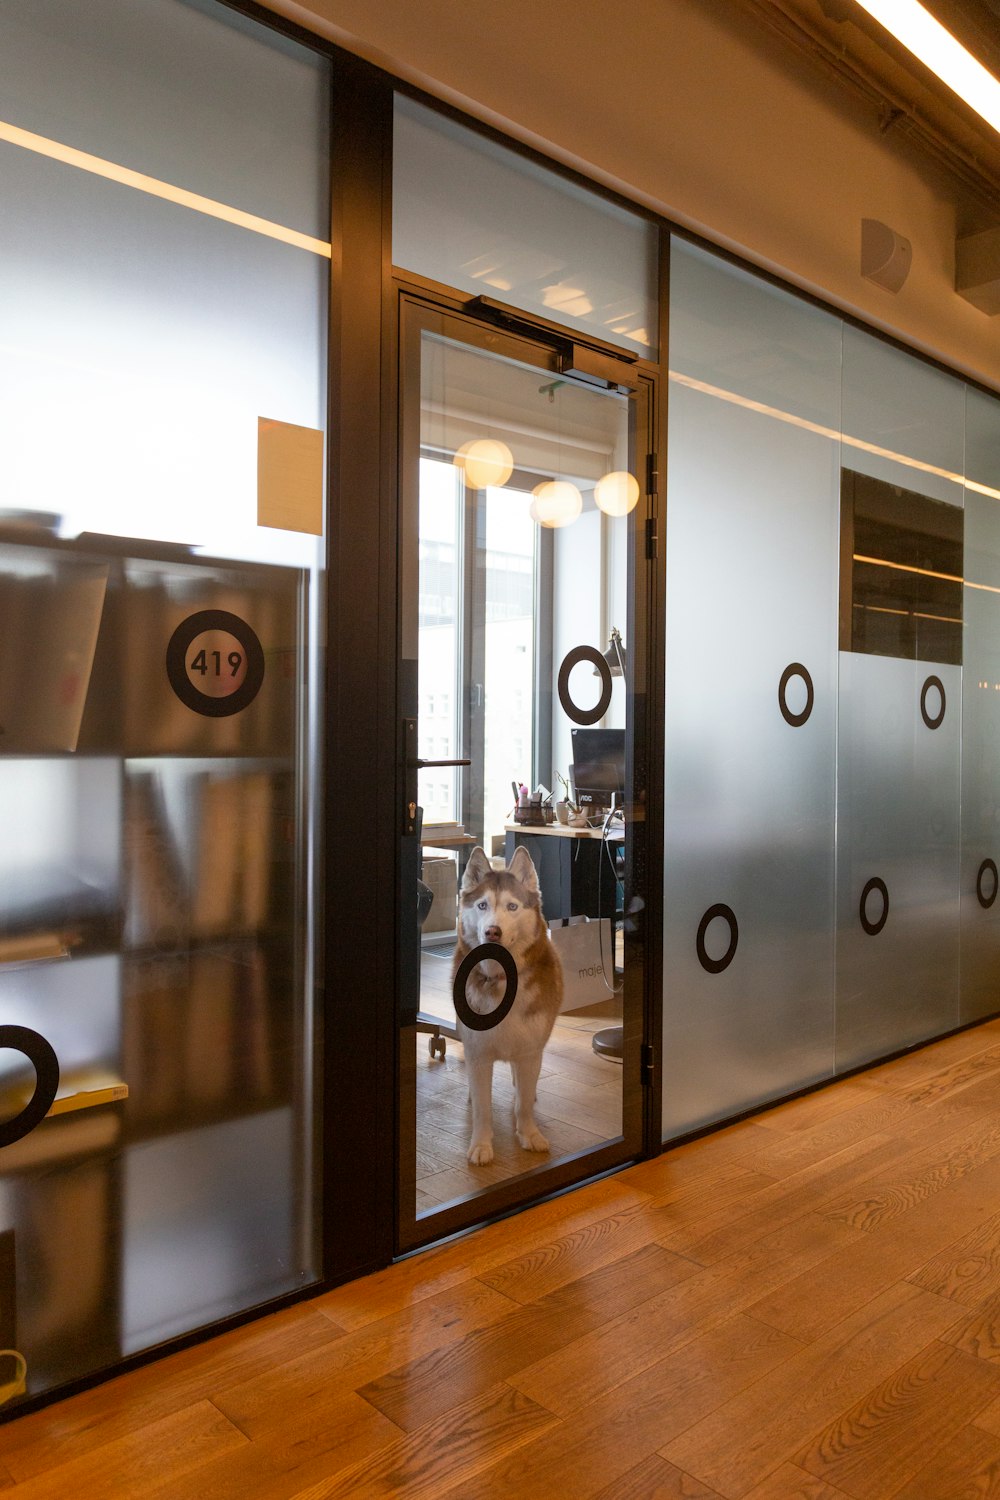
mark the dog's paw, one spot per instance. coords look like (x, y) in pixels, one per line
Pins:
(480, 1153)
(532, 1140)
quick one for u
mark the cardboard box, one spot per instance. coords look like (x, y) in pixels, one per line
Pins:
(440, 873)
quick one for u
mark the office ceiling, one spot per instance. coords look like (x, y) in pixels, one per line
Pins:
(842, 37)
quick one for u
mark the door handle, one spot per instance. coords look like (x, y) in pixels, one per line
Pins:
(421, 765)
(412, 763)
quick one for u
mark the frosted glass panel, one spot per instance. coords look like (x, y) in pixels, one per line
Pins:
(744, 337)
(160, 671)
(900, 740)
(980, 966)
(185, 92)
(207, 1226)
(898, 822)
(749, 791)
(477, 216)
(141, 343)
(911, 412)
(982, 439)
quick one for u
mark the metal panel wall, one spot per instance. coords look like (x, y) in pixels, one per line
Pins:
(980, 950)
(898, 798)
(898, 822)
(753, 485)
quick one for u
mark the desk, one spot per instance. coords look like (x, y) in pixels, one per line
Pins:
(430, 840)
(574, 871)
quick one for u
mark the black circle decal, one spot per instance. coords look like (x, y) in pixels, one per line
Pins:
(215, 663)
(875, 884)
(716, 965)
(463, 1009)
(984, 900)
(573, 659)
(795, 669)
(38, 1052)
(932, 682)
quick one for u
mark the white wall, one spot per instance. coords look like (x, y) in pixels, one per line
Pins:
(695, 109)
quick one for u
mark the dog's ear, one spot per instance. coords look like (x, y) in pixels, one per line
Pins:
(477, 869)
(522, 868)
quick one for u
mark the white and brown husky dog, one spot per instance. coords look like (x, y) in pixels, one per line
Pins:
(505, 907)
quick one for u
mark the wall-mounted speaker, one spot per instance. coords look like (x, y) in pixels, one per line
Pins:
(977, 270)
(885, 255)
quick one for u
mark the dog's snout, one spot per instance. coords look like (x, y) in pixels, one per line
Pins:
(493, 934)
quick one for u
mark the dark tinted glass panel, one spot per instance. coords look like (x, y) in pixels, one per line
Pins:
(901, 572)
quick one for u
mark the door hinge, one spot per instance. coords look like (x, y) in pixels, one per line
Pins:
(652, 474)
(652, 538)
(646, 1065)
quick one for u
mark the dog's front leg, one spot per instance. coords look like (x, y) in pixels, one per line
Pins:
(481, 1092)
(526, 1070)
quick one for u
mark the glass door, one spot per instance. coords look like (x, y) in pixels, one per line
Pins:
(520, 981)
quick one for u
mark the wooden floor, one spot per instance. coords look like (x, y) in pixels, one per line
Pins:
(804, 1305)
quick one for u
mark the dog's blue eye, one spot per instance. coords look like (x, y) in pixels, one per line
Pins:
(512, 906)
(481, 905)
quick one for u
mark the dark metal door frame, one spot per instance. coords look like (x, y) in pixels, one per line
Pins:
(420, 308)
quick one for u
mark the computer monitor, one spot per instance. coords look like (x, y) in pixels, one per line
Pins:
(598, 768)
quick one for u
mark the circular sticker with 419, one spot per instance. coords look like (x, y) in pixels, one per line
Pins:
(215, 663)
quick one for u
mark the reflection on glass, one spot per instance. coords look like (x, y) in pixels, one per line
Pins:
(476, 215)
(485, 462)
(504, 594)
(441, 529)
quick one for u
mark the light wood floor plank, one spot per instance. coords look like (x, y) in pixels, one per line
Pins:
(966, 1468)
(923, 1062)
(979, 1333)
(831, 1289)
(797, 1150)
(444, 1454)
(823, 1104)
(302, 1390)
(624, 1346)
(422, 1389)
(372, 1297)
(655, 1479)
(596, 1443)
(699, 1160)
(786, 1200)
(35, 1443)
(286, 1457)
(899, 1425)
(547, 1267)
(926, 1172)
(968, 1271)
(740, 1443)
(182, 1443)
(792, 1483)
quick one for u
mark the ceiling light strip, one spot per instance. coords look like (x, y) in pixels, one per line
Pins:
(42, 146)
(829, 432)
(936, 47)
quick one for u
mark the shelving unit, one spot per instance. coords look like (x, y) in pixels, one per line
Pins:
(153, 928)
